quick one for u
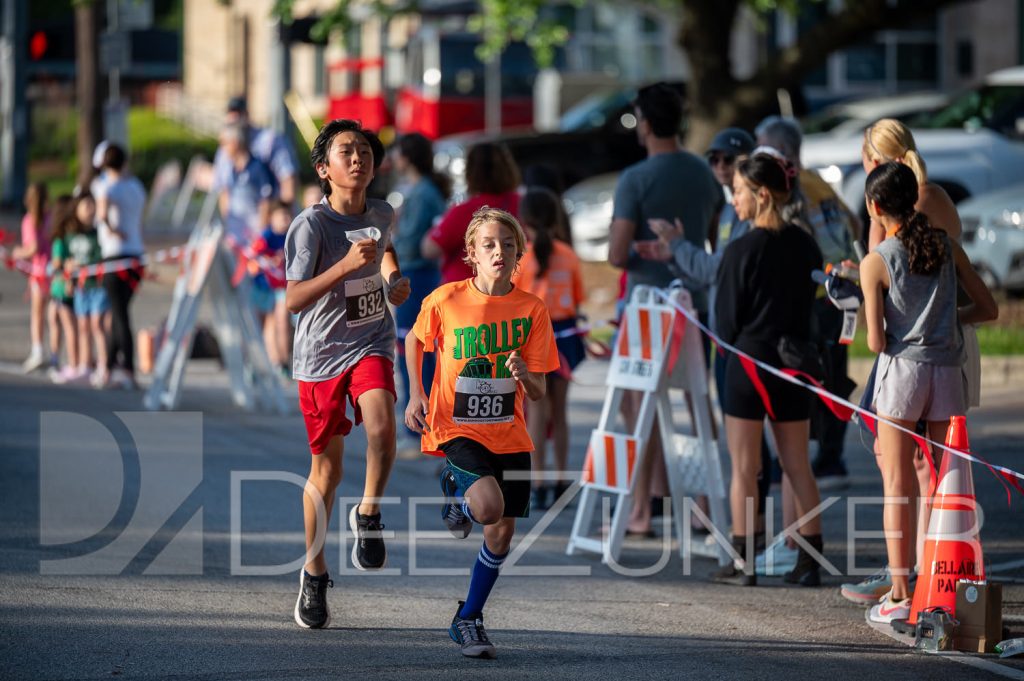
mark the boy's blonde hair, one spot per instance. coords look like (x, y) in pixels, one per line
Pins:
(889, 140)
(487, 214)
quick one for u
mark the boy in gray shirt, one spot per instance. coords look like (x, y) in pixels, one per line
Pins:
(340, 266)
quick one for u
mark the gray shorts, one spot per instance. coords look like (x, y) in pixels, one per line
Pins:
(914, 391)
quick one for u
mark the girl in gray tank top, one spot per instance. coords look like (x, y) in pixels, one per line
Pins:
(910, 285)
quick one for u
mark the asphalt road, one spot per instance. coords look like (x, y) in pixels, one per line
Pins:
(117, 558)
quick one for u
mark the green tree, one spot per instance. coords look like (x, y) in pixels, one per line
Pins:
(716, 97)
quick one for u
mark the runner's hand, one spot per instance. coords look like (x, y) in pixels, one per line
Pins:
(359, 254)
(516, 366)
(416, 415)
(398, 290)
(653, 249)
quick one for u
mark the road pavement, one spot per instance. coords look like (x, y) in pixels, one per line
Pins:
(131, 545)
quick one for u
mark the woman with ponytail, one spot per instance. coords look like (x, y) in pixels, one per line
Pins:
(889, 141)
(765, 293)
(909, 284)
(550, 270)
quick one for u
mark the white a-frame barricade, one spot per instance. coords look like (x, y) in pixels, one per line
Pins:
(655, 351)
(207, 267)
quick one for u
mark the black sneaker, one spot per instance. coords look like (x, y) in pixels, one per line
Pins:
(451, 513)
(311, 611)
(734, 575)
(369, 552)
(469, 633)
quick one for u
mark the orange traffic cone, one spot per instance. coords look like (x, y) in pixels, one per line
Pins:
(952, 550)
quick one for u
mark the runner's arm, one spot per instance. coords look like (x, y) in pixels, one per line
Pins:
(398, 286)
(301, 294)
(873, 279)
(416, 410)
(983, 307)
(535, 382)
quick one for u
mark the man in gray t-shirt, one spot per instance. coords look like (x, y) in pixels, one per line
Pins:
(669, 184)
(342, 271)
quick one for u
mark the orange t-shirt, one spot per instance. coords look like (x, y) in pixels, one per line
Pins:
(473, 394)
(561, 287)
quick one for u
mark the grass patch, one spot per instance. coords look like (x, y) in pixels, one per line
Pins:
(993, 340)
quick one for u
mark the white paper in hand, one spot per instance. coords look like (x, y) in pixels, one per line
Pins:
(357, 235)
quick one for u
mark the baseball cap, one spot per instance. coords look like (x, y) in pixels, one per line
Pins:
(732, 140)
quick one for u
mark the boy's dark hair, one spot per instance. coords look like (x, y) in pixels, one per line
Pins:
(114, 158)
(662, 108)
(893, 186)
(322, 145)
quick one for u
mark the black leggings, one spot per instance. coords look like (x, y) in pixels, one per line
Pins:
(120, 287)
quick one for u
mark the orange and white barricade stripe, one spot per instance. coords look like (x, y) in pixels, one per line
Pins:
(611, 460)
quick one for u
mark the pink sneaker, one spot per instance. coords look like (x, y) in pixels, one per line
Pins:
(888, 610)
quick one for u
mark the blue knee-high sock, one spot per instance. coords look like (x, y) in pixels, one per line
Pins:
(485, 574)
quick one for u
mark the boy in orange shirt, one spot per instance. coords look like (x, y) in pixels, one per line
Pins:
(495, 345)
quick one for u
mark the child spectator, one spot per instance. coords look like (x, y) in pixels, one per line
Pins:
(277, 322)
(35, 248)
(551, 271)
(910, 288)
(91, 302)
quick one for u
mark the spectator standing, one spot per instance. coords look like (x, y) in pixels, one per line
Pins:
(35, 247)
(671, 184)
(423, 203)
(492, 178)
(835, 229)
(245, 190)
(550, 270)
(765, 294)
(910, 291)
(269, 147)
(119, 222)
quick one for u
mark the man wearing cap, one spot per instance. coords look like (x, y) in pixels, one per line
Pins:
(266, 146)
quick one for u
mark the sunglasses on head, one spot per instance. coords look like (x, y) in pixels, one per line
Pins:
(715, 159)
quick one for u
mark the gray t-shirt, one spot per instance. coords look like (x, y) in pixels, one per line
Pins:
(352, 320)
(669, 186)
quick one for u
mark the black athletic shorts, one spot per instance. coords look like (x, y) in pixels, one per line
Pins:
(469, 461)
(789, 402)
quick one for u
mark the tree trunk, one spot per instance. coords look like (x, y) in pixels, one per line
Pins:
(88, 87)
(717, 100)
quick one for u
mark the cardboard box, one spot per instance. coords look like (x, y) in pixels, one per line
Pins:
(979, 609)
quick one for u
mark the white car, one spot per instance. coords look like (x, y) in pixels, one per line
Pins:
(973, 145)
(851, 117)
(589, 207)
(993, 236)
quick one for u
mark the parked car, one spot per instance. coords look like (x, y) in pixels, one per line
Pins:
(595, 136)
(589, 207)
(971, 146)
(851, 117)
(993, 236)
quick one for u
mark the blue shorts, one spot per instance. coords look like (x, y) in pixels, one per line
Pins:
(91, 301)
(262, 298)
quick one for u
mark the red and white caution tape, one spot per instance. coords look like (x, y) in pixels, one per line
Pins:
(843, 408)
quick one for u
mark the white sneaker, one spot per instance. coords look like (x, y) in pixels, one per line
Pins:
(35, 360)
(99, 379)
(888, 610)
(783, 558)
